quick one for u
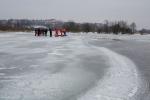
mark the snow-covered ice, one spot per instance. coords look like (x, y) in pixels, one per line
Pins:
(120, 82)
(68, 68)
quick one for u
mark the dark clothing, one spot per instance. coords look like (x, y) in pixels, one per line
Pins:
(50, 31)
(39, 32)
(36, 32)
(45, 32)
(65, 33)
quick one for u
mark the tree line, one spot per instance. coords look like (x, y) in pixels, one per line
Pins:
(107, 27)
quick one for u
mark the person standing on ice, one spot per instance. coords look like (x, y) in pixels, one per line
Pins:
(45, 32)
(61, 32)
(50, 31)
(64, 31)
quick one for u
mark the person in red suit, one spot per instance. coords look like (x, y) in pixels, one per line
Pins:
(56, 32)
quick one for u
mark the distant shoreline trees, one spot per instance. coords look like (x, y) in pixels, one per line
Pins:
(106, 27)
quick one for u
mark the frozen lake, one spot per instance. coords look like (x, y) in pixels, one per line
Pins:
(76, 67)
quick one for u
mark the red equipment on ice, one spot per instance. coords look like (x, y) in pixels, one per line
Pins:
(60, 32)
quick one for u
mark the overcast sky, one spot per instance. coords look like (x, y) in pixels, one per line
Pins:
(79, 10)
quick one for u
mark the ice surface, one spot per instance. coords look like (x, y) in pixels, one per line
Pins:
(135, 37)
(120, 82)
(68, 68)
(44, 68)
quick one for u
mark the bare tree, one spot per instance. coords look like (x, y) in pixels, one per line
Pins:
(133, 27)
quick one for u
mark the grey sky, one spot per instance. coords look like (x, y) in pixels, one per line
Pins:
(79, 10)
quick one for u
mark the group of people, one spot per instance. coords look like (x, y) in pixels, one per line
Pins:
(41, 31)
(44, 31)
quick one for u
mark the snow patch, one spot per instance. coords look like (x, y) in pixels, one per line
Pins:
(121, 82)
